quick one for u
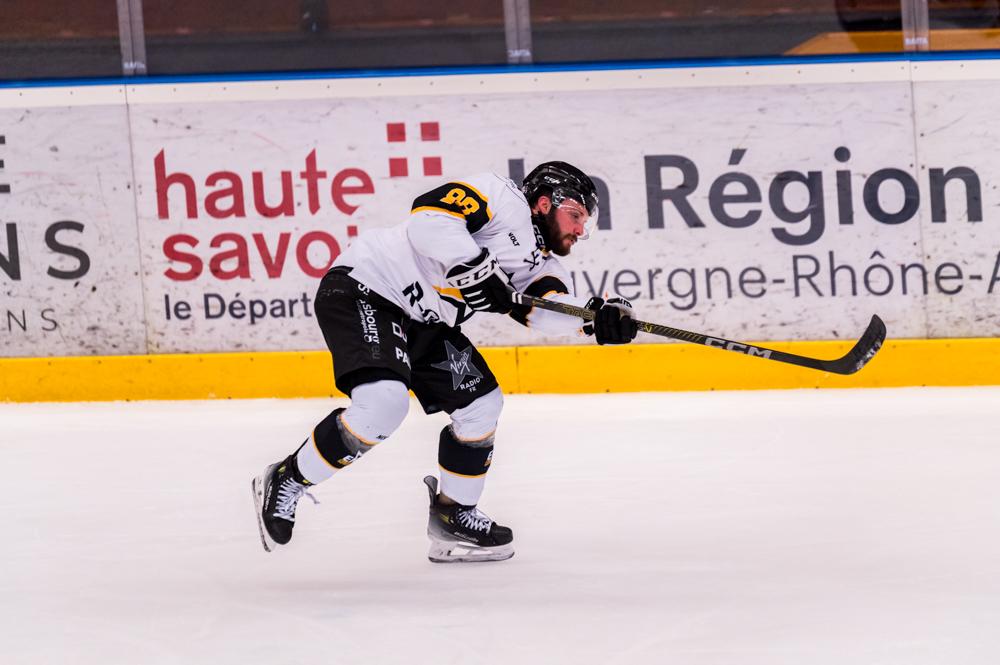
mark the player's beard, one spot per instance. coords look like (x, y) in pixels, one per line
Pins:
(557, 244)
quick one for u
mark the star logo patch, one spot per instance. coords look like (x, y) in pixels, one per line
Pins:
(458, 364)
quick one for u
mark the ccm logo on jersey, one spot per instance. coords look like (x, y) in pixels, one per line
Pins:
(736, 346)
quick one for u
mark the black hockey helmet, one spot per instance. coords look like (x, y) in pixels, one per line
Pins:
(560, 181)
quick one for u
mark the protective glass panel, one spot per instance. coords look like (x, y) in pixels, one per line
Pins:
(265, 35)
(58, 39)
(592, 30)
(963, 25)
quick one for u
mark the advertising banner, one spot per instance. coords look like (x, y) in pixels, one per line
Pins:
(242, 209)
(959, 155)
(69, 263)
(757, 204)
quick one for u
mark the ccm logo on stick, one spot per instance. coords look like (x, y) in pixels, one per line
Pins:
(736, 346)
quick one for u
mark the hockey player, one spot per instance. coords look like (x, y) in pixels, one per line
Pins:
(390, 310)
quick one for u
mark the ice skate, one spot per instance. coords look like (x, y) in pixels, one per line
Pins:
(462, 533)
(276, 492)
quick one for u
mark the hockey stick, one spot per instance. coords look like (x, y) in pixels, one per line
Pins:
(864, 350)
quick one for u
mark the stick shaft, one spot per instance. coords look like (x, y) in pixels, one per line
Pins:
(855, 359)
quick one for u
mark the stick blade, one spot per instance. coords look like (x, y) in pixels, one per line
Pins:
(864, 350)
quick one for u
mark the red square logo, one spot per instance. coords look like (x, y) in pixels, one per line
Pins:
(430, 131)
(395, 132)
(432, 166)
(398, 167)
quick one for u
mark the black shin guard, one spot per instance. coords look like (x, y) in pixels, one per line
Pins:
(338, 446)
(464, 458)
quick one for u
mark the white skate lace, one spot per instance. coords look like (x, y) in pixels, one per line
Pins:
(473, 519)
(288, 497)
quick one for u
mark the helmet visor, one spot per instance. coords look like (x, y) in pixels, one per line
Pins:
(589, 203)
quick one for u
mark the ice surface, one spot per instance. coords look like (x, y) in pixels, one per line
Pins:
(797, 527)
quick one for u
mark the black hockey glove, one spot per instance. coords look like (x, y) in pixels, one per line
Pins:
(613, 322)
(483, 284)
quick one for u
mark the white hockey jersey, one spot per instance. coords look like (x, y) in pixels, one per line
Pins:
(406, 264)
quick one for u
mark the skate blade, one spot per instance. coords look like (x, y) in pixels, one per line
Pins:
(257, 490)
(458, 552)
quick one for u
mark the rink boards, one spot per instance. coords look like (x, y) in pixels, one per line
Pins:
(182, 225)
(526, 369)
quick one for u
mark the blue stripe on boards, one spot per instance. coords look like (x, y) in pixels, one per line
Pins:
(510, 69)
